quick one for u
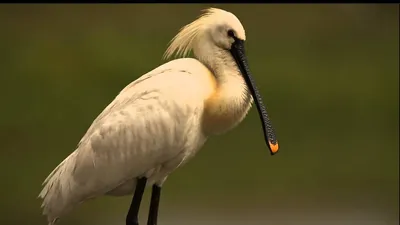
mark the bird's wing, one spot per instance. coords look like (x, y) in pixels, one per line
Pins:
(148, 123)
(119, 101)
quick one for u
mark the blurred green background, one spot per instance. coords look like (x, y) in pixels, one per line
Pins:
(329, 75)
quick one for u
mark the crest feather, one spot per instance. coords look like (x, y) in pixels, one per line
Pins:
(182, 43)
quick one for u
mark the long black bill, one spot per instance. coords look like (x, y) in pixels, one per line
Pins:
(238, 53)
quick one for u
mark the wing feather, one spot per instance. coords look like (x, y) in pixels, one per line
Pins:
(145, 125)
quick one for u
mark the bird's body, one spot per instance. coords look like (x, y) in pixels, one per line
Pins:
(154, 125)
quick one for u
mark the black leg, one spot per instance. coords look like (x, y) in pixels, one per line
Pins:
(132, 217)
(155, 200)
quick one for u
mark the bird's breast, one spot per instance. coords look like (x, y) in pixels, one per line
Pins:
(226, 107)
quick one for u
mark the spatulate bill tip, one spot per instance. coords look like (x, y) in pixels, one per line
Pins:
(274, 147)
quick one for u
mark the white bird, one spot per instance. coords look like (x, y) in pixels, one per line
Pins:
(161, 120)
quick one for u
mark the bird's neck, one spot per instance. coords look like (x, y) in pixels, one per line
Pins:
(231, 100)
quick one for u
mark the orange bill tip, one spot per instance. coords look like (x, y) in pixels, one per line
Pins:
(274, 147)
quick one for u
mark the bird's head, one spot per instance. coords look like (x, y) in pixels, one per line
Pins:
(225, 29)
(216, 28)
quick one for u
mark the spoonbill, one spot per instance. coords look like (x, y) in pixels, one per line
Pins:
(161, 120)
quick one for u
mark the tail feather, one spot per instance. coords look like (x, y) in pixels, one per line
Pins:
(57, 190)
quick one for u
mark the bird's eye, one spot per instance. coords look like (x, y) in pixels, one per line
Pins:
(231, 33)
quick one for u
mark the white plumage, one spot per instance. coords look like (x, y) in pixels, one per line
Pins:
(159, 121)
